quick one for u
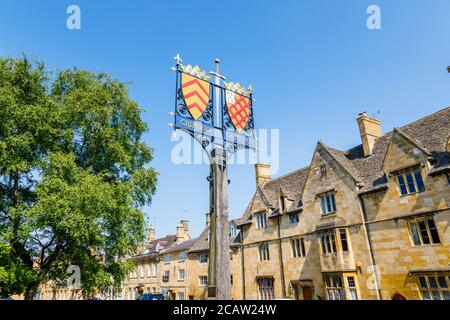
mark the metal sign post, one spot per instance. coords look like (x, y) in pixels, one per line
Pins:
(220, 118)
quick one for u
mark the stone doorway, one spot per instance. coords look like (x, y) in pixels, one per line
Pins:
(303, 290)
(398, 296)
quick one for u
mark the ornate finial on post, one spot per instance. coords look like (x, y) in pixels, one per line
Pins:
(217, 62)
(217, 72)
(178, 59)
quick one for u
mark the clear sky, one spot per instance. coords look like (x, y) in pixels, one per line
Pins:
(314, 65)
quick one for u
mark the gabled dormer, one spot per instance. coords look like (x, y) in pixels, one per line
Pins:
(403, 152)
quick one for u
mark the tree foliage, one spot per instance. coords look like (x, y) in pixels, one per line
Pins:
(74, 176)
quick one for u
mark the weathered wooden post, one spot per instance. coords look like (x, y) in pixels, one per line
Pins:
(221, 119)
(219, 277)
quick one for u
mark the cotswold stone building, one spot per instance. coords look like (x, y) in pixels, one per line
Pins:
(153, 264)
(366, 223)
(371, 222)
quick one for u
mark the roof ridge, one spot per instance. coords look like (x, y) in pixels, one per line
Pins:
(425, 117)
(285, 175)
(393, 129)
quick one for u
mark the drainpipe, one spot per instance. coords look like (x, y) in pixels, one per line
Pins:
(242, 263)
(280, 255)
(369, 244)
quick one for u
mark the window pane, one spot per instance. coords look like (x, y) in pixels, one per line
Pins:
(333, 202)
(338, 282)
(333, 242)
(303, 252)
(330, 294)
(322, 242)
(353, 294)
(419, 181)
(423, 232)
(328, 243)
(423, 282)
(328, 204)
(342, 294)
(294, 248)
(436, 295)
(433, 231)
(426, 295)
(336, 295)
(351, 282)
(322, 201)
(343, 235)
(401, 184)
(415, 233)
(410, 181)
(446, 295)
(442, 282)
(432, 281)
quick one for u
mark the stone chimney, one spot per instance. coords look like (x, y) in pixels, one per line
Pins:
(208, 220)
(151, 233)
(370, 131)
(262, 173)
(182, 231)
(185, 224)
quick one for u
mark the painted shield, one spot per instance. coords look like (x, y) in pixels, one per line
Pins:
(239, 109)
(195, 93)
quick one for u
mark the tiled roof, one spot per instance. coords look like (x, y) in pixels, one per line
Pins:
(201, 243)
(151, 247)
(185, 245)
(430, 133)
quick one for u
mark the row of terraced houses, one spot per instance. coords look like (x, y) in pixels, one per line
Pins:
(371, 222)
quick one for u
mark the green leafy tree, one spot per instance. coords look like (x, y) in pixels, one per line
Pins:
(74, 176)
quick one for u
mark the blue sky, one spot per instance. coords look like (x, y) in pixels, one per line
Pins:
(314, 66)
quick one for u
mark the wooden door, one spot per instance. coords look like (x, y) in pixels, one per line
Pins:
(307, 293)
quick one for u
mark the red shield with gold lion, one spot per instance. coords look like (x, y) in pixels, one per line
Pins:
(195, 94)
(238, 107)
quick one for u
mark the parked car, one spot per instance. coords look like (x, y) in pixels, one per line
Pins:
(151, 296)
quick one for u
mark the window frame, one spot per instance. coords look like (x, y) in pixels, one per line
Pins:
(261, 220)
(332, 287)
(183, 272)
(414, 225)
(182, 256)
(430, 289)
(266, 288)
(202, 261)
(294, 214)
(298, 248)
(203, 283)
(328, 243)
(404, 184)
(328, 203)
(344, 231)
(264, 253)
(166, 276)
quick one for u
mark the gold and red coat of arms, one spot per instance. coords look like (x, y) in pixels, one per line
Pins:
(195, 93)
(238, 107)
